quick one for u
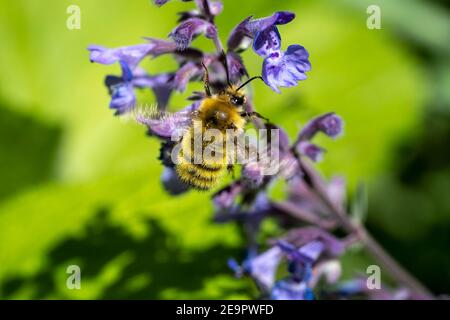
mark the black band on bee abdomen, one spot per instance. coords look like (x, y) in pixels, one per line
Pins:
(198, 176)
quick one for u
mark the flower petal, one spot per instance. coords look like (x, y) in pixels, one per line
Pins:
(172, 125)
(236, 67)
(161, 85)
(252, 174)
(159, 3)
(131, 55)
(248, 29)
(315, 153)
(285, 69)
(263, 268)
(172, 182)
(301, 236)
(240, 37)
(336, 191)
(121, 90)
(122, 98)
(311, 250)
(291, 290)
(331, 270)
(185, 32)
(215, 7)
(160, 47)
(188, 71)
(225, 198)
(267, 41)
(329, 123)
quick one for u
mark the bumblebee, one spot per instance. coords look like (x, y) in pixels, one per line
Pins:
(223, 113)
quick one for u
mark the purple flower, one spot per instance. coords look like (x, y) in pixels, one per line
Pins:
(263, 268)
(121, 90)
(185, 32)
(280, 69)
(285, 69)
(310, 150)
(248, 28)
(329, 123)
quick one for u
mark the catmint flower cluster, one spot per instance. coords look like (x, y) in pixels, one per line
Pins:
(309, 251)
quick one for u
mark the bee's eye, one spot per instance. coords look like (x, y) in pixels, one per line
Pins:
(237, 101)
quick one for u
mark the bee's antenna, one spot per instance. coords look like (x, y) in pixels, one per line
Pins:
(223, 58)
(248, 81)
(206, 81)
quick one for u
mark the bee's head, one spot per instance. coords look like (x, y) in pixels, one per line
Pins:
(233, 92)
(235, 96)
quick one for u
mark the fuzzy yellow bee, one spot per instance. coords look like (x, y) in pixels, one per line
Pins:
(222, 112)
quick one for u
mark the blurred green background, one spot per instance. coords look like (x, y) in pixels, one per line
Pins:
(79, 186)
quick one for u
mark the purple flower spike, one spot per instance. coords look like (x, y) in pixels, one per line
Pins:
(310, 150)
(185, 32)
(285, 69)
(329, 123)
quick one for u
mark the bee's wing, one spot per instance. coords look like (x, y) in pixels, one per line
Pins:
(164, 123)
(251, 153)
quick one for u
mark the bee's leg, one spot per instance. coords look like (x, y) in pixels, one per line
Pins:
(230, 169)
(254, 114)
(206, 81)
